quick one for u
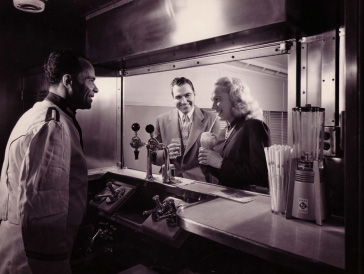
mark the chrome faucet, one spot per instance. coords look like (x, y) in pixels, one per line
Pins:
(152, 147)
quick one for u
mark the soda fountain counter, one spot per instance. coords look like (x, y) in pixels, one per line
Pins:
(236, 219)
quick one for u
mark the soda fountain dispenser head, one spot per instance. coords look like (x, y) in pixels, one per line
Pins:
(153, 145)
(136, 143)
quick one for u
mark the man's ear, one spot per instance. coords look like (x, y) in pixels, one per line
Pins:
(67, 80)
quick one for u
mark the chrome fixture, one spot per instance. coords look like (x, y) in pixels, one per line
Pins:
(152, 147)
(166, 210)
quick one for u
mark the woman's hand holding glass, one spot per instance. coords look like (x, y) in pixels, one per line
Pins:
(208, 157)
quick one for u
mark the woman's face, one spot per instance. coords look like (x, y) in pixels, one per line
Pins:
(222, 104)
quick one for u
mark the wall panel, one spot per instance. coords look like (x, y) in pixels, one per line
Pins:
(99, 125)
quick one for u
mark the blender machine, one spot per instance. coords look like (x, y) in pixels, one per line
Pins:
(306, 188)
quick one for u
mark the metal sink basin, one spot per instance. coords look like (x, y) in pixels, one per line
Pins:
(130, 210)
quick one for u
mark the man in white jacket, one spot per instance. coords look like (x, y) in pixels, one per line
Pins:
(43, 187)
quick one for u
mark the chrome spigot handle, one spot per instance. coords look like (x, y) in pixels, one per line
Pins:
(166, 210)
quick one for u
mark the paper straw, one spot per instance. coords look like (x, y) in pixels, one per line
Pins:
(278, 177)
(266, 152)
(267, 158)
(274, 178)
(278, 159)
(213, 123)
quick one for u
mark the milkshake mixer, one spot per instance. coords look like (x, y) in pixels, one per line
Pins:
(306, 189)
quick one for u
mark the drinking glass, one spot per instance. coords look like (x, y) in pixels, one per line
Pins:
(179, 152)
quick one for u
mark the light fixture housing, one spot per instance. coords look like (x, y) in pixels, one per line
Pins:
(32, 6)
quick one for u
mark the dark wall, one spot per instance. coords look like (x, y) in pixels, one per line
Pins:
(25, 42)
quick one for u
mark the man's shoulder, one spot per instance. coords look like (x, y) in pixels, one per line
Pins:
(37, 115)
(166, 115)
(207, 113)
(31, 121)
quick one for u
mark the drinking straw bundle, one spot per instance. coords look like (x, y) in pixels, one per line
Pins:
(279, 158)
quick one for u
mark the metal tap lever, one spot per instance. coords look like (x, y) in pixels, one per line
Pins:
(113, 196)
(153, 145)
(157, 201)
(136, 143)
(166, 210)
(89, 248)
(158, 208)
(106, 233)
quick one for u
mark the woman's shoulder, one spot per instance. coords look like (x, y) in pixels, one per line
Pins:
(256, 125)
(258, 129)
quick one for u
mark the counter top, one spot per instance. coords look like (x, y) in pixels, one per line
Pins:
(251, 227)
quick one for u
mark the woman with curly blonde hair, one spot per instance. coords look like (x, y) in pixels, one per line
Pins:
(242, 161)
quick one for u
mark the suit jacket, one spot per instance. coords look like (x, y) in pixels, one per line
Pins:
(167, 127)
(243, 155)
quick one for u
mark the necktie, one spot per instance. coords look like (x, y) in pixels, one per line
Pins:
(185, 129)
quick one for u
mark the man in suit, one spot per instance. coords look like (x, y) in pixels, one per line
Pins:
(186, 122)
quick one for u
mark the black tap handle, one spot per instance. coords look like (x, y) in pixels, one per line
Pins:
(136, 154)
(149, 129)
(135, 127)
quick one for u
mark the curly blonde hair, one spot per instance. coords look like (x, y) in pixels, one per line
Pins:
(244, 105)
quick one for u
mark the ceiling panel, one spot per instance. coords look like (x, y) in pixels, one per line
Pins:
(56, 12)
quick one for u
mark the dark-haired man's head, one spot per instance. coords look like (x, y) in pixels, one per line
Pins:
(183, 94)
(72, 76)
